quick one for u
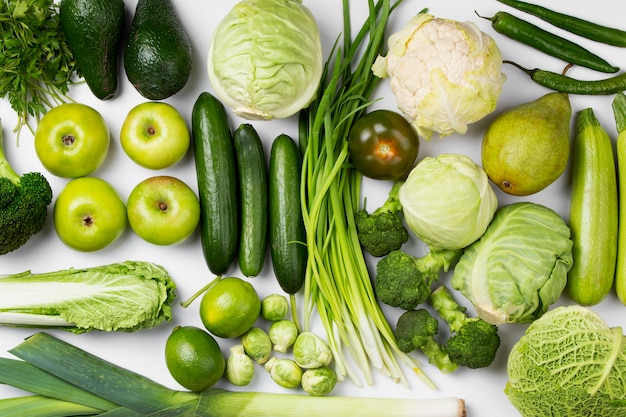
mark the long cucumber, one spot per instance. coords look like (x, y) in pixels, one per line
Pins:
(287, 234)
(593, 212)
(217, 182)
(253, 196)
(619, 110)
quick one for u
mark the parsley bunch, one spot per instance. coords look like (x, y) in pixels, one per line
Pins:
(36, 61)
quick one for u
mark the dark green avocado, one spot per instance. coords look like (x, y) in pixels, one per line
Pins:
(157, 58)
(94, 30)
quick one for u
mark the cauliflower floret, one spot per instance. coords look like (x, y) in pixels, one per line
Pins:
(444, 74)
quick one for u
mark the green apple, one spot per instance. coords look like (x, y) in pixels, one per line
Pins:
(155, 135)
(89, 214)
(163, 210)
(72, 140)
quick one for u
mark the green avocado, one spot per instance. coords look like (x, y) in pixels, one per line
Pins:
(94, 30)
(157, 58)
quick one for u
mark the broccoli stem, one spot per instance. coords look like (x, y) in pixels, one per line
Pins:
(447, 307)
(6, 170)
(434, 262)
(392, 204)
(438, 356)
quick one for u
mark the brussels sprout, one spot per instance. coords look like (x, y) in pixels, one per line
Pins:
(274, 307)
(257, 344)
(283, 334)
(285, 372)
(319, 381)
(239, 366)
(447, 201)
(310, 351)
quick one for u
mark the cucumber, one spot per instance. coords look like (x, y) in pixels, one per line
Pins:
(253, 205)
(593, 212)
(286, 226)
(619, 112)
(217, 182)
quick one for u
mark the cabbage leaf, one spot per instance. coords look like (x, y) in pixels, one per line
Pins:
(126, 296)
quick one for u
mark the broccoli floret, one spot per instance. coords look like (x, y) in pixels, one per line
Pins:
(415, 330)
(404, 281)
(24, 204)
(383, 230)
(473, 342)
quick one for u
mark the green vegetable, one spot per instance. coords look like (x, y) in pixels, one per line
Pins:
(257, 344)
(239, 366)
(382, 230)
(547, 42)
(565, 84)
(24, 202)
(311, 351)
(283, 334)
(580, 27)
(593, 212)
(47, 363)
(568, 363)
(338, 285)
(448, 201)
(285, 372)
(383, 145)
(274, 307)
(518, 268)
(474, 342)
(404, 281)
(319, 381)
(37, 65)
(253, 196)
(416, 330)
(126, 296)
(217, 182)
(265, 58)
(619, 111)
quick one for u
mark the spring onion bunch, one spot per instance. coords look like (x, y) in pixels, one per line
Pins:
(337, 282)
(68, 381)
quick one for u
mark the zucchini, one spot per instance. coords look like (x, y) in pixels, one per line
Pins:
(593, 212)
(217, 182)
(619, 111)
(252, 170)
(286, 226)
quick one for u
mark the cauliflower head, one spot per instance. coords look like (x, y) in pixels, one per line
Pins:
(444, 74)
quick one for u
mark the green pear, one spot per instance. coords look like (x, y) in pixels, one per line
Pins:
(526, 148)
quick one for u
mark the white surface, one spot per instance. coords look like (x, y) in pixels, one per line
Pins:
(143, 351)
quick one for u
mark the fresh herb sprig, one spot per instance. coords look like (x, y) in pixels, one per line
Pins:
(37, 64)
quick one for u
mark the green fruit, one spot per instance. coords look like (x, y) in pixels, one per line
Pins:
(194, 358)
(526, 148)
(94, 30)
(157, 58)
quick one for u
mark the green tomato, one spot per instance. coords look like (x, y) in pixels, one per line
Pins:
(72, 140)
(383, 145)
(89, 214)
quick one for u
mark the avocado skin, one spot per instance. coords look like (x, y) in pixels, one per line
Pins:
(94, 30)
(157, 58)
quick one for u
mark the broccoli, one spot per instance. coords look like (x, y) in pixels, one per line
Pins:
(415, 330)
(404, 281)
(24, 204)
(383, 230)
(473, 342)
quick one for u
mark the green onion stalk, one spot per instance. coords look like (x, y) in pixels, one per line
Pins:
(337, 283)
(64, 380)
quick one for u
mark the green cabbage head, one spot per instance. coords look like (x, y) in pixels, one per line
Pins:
(518, 268)
(568, 363)
(447, 201)
(265, 58)
(444, 74)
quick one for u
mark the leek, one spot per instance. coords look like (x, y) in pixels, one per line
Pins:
(114, 391)
(126, 296)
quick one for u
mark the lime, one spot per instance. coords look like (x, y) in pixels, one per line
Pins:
(230, 307)
(194, 358)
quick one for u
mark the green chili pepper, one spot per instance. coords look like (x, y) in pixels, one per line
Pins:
(549, 43)
(565, 84)
(581, 27)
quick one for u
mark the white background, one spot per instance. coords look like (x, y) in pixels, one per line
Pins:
(143, 351)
